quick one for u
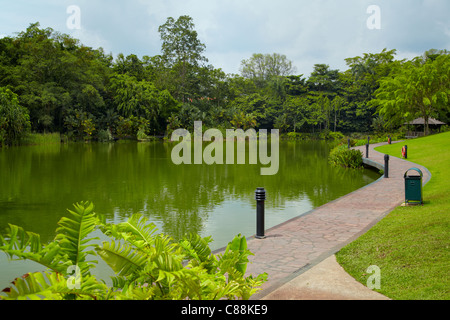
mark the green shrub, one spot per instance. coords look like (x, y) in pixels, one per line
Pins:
(141, 135)
(14, 119)
(335, 135)
(344, 157)
(131, 127)
(105, 135)
(294, 136)
(299, 136)
(330, 135)
(147, 265)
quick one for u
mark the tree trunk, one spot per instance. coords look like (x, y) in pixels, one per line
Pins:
(334, 119)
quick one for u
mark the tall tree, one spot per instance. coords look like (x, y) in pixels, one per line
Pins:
(52, 72)
(142, 99)
(337, 105)
(420, 88)
(294, 114)
(324, 79)
(263, 67)
(131, 65)
(370, 68)
(182, 50)
(360, 82)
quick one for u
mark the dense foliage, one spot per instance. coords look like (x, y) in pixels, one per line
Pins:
(421, 87)
(84, 93)
(147, 265)
(14, 119)
(344, 157)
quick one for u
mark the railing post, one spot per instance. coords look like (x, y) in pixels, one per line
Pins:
(260, 196)
(386, 166)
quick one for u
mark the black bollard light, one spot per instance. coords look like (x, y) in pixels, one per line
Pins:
(260, 196)
(406, 152)
(386, 166)
(367, 150)
(348, 142)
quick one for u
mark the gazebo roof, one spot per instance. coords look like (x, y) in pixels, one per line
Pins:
(422, 121)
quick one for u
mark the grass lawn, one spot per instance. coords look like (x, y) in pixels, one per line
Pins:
(411, 245)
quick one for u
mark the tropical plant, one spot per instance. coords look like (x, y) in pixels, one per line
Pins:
(420, 88)
(14, 119)
(80, 124)
(61, 257)
(147, 264)
(173, 123)
(105, 135)
(243, 120)
(344, 157)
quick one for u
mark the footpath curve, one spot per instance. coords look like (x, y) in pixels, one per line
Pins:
(298, 255)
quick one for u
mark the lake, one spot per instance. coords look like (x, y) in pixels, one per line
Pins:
(39, 184)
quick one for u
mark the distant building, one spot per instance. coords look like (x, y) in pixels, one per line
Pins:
(416, 128)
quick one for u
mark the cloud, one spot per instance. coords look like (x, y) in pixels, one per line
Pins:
(307, 32)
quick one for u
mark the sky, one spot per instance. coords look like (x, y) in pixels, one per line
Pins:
(308, 32)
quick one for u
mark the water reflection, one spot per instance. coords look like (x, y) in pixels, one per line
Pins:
(39, 183)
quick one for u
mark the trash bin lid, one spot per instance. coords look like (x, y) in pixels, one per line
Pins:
(418, 170)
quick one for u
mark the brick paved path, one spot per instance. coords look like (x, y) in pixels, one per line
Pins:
(290, 248)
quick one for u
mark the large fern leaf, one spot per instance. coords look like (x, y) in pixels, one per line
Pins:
(20, 244)
(33, 286)
(135, 230)
(239, 245)
(20, 240)
(121, 257)
(87, 288)
(198, 251)
(53, 286)
(73, 232)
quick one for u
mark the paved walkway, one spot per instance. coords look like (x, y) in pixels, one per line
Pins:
(297, 246)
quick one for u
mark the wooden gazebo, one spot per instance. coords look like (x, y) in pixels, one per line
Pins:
(419, 127)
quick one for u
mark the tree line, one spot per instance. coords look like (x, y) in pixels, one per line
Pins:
(50, 82)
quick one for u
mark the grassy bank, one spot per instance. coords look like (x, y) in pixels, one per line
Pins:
(41, 139)
(411, 245)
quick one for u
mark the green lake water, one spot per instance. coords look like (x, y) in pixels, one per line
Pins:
(39, 183)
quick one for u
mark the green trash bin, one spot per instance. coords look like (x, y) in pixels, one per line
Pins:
(413, 187)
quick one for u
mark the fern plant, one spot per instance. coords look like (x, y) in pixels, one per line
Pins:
(175, 270)
(147, 264)
(61, 257)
